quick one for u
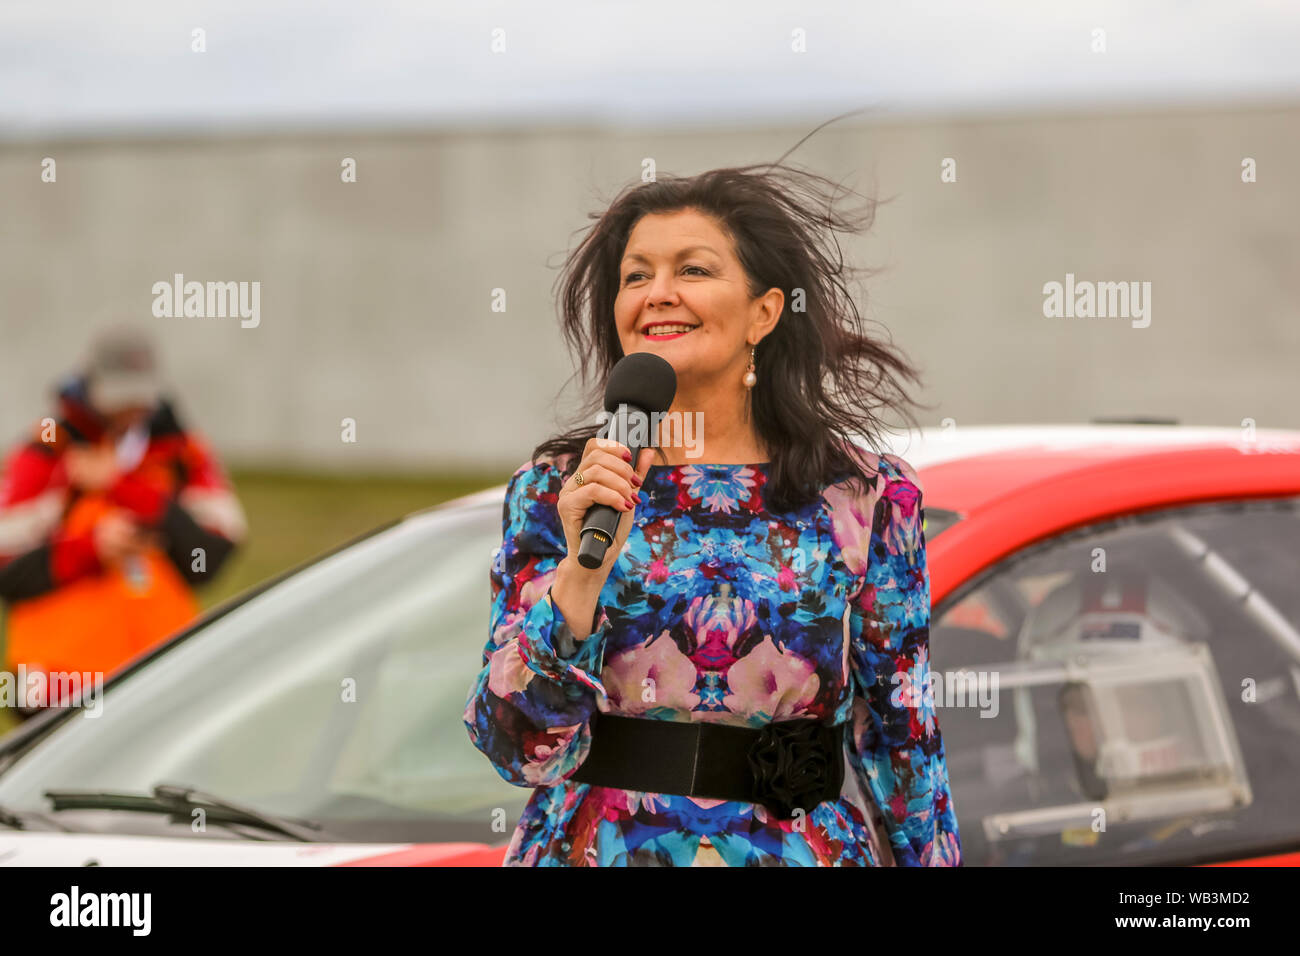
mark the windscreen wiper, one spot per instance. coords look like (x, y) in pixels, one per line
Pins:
(182, 801)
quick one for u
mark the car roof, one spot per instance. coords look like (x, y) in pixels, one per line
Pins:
(1016, 485)
(966, 468)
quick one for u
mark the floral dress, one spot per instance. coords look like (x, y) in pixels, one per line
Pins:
(718, 609)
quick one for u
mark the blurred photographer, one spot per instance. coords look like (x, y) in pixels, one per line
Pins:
(110, 515)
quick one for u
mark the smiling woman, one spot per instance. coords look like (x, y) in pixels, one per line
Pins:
(775, 596)
(671, 291)
(720, 271)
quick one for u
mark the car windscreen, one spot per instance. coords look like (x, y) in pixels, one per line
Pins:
(336, 695)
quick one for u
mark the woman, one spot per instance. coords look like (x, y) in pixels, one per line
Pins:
(744, 681)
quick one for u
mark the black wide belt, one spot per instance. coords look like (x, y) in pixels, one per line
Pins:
(786, 766)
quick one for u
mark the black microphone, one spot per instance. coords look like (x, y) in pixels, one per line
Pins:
(640, 384)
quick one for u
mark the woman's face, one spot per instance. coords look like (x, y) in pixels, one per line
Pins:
(683, 296)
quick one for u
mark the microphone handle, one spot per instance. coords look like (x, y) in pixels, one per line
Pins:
(598, 529)
(600, 523)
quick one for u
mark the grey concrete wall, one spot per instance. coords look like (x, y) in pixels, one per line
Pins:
(376, 296)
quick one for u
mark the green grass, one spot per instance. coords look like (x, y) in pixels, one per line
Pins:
(293, 517)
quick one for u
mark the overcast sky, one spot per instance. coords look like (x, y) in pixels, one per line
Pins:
(86, 66)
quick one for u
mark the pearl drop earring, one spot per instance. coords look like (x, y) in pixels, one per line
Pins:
(751, 379)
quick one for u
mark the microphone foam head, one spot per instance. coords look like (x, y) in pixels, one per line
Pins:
(642, 380)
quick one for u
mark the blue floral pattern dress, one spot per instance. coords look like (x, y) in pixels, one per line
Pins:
(719, 609)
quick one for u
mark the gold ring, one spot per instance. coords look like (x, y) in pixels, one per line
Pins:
(578, 479)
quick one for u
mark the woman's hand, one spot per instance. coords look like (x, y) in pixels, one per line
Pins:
(608, 478)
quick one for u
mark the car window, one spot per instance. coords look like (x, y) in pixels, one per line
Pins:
(1128, 693)
(336, 695)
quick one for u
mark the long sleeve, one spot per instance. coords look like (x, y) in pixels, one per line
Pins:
(205, 515)
(895, 747)
(530, 706)
(36, 555)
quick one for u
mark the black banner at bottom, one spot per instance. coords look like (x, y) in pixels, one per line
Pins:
(207, 905)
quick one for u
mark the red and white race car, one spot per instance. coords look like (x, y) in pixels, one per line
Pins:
(1115, 641)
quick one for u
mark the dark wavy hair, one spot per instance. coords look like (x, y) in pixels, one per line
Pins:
(821, 377)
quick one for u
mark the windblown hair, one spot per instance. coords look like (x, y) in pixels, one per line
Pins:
(821, 377)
